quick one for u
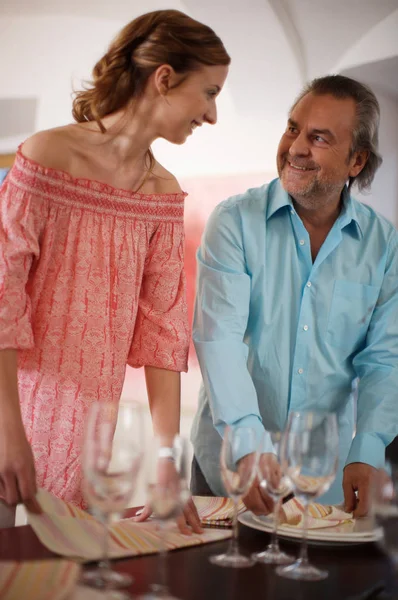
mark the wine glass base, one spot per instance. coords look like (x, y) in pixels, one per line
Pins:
(106, 580)
(273, 557)
(302, 572)
(237, 561)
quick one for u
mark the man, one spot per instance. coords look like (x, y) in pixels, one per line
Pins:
(297, 296)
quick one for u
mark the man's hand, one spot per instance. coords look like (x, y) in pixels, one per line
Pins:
(17, 470)
(358, 477)
(257, 500)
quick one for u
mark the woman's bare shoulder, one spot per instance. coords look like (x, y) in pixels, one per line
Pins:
(164, 182)
(49, 148)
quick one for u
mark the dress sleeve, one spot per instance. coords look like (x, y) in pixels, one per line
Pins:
(20, 224)
(161, 333)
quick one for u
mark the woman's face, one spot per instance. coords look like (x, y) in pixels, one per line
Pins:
(191, 103)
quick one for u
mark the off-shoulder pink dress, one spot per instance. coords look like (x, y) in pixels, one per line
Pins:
(91, 279)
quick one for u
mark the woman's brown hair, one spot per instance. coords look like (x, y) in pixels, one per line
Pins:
(153, 39)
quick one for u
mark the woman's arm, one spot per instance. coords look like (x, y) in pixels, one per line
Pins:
(17, 470)
(164, 392)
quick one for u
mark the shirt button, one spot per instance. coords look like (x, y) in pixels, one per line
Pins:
(301, 242)
(305, 327)
(309, 284)
(292, 211)
(300, 371)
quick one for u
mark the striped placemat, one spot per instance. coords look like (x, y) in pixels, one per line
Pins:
(38, 580)
(71, 532)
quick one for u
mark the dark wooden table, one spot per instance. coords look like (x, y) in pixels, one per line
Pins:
(353, 570)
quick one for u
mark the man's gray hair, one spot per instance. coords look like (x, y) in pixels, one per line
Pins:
(365, 135)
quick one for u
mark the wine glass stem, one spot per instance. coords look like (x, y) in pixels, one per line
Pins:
(104, 565)
(233, 547)
(274, 537)
(304, 547)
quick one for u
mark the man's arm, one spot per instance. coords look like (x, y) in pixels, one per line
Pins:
(377, 368)
(221, 316)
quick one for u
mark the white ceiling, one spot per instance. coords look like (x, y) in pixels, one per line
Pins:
(323, 29)
(380, 74)
(318, 33)
(328, 28)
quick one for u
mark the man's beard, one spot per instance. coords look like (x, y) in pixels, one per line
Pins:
(315, 193)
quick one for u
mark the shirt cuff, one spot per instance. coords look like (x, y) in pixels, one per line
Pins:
(261, 443)
(367, 448)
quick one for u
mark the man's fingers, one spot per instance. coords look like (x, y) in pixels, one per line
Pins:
(363, 502)
(350, 499)
(258, 502)
(267, 501)
(276, 476)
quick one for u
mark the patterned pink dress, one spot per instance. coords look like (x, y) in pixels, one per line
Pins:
(91, 279)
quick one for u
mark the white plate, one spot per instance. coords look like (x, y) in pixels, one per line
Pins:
(361, 532)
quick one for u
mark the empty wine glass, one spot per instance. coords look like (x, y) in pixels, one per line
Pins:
(238, 461)
(111, 458)
(277, 485)
(309, 456)
(167, 468)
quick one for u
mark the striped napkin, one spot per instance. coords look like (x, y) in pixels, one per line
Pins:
(216, 512)
(38, 580)
(69, 531)
(320, 516)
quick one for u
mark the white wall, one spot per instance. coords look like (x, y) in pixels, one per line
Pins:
(47, 56)
(383, 196)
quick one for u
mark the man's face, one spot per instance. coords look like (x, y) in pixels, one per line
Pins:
(314, 153)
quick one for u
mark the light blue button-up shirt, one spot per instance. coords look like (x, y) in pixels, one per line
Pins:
(275, 332)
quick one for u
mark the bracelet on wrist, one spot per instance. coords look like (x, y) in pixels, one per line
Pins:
(166, 452)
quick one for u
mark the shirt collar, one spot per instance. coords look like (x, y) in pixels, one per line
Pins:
(279, 198)
(349, 215)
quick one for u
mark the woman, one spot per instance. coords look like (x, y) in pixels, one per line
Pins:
(91, 263)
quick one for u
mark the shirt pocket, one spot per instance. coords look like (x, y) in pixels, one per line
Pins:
(350, 313)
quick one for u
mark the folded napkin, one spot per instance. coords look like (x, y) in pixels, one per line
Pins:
(38, 580)
(216, 512)
(69, 531)
(320, 516)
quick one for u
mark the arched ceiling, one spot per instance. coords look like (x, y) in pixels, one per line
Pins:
(310, 36)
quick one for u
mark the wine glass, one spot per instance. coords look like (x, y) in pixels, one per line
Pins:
(111, 458)
(309, 457)
(167, 469)
(238, 461)
(277, 485)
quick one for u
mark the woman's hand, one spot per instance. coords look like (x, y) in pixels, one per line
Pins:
(187, 522)
(168, 491)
